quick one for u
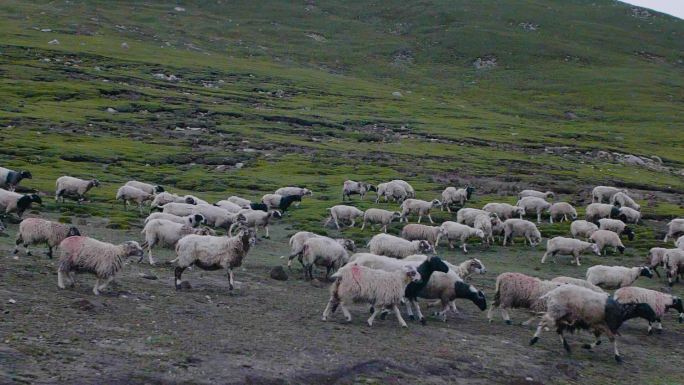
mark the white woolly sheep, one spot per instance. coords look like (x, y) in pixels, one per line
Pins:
(534, 205)
(35, 230)
(87, 255)
(578, 282)
(215, 216)
(655, 258)
(128, 194)
(394, 190)
(536, 194)
(9, 179)
(297, 245)
(675, 228)
(602, 194)
(351, 187)
(504, 210)
(410, 192)
(166, 234)
(379, 216)
(629, 215)
(382, 289)
(432, 234)
(596, 211)
(659, 302)
(166, 197)
(605, 238)
(680, 242)
(467, 215)
(343, 213)
(242, 202)
(568, 246)
(674, 264)
(418, 207)
(230, 206)
(621, 199)
(255, 219)
(146, 187)
(521, 228)
(562, 210)
(11, 202)
(456, 231)
(323, 252)
(452, 195)
(582, 228)
(192, 220)
(395, 247)
(616, 226)
(516, 290)
(615, 277)
(73, 187)
(484, 222)
(179, 209)
(289, 191)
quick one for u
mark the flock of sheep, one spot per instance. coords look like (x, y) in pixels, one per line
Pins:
(397, 269)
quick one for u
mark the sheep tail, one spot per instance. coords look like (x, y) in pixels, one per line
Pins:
(497, 293)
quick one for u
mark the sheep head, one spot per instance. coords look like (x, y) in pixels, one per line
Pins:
(646, 272)
(629, 232)
(436, 203)
(412, 275)
(133, 249)
(158, 189)
(677, 305)
(425, 247)
(26, 175)
(463, 290)
(73, 232)
(469, 192)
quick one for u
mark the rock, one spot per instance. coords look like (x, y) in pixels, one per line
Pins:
(13, 301)
(570, 115)
(397, 94)
(151, 277)
(179, 9)
(111, 110)
(633, 160)
(54, 42)
(124, 45)
(278, 273)
(485, 62)
(46, 30)
(527, 26)
(239, 165)
(317, 37)
(222, 167)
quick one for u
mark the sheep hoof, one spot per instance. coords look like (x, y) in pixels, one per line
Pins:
(324, 318)
(28, 253)
(423, 321)
(411, 317)
(534, 340)
(383, 316)
(586, 346)
(15, 252)
(618, 359)
(509, 322)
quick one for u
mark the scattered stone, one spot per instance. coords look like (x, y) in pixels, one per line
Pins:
(317, 37)
(124, 45)
(397, 94)
(278, 273)
(170, 78)
(54, 42)
(527, 26)
(239, 165)
(485, 62)
(13, 301)
(640, 13)
(570, 115)
(111, 110)
(179, 9)
(151, 277)
(46, 30)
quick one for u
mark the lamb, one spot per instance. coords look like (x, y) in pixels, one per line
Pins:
(379, 288)
(290, 191)
(616, 226)
(242, 202)
(453, 230)
(215, 216)
(571, 307)
(167, 233)
(562, 210)
(146, 187)
(615, 277)
(659, 302)
(536, 194)
(212, 253)
(395, 247)
(74, 187)
(432, 234)
(628, 214)
(419, 207)
(578, 282)
(656, 257)
(383, 217)
(343, 213)
(516, 290)
(230, 206)
(484, 222)
(452, 195)
(674, 264)
(10, 179)
(467, 216)
(324, 252)
(568, 246)
(621, 199)
(675, 228)
(255, 219)
(297, 245)
(166, 197)
(504, 210)
(81, 254)
(521, 228)
(132, 194)
(604, 238)
(279, 202)
(35, 230)
(351, 187)
(534, 205)
(582, 228)
(596, 211)
(192, 220)
(11, 202)
(602, 194)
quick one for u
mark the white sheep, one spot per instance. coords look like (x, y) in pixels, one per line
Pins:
(602, 194)
(615, 277)
(128, 194)
(675, 228)
(621, 199)
(11, 202)
(216, 216)
(192, 220)
(9, 179)
(379, 216)
(616, 226)
(457, 231)
(323, 252)
(212, 253)
(564, 210)
(351, 187)
(410, 192)
(467, 215)
(452, 195)
(229, 206)
(629, 215)
(456, 273)
(193, 200)
(582, 228)
(166, 233)
(297, 240)
(568, 246)
(166, 197)
(382, 289)
(393, 190)
(343, 213)
(605, 238)
(578, 282)
(680, 242)
(242, 202)
(87, 255)
(146, 187)
(179, 209)
(504, 210)
(418, 207)
(35, 230)
(516, 290)
(659, 302)
(255, 219)
(70, 186)
(521, 228)
(395, 247)
(486, 224)
(432, 234)
(298, 191)
(596, 211)
(674, 264)
(534, 205)
(536, 194)
(655, 258)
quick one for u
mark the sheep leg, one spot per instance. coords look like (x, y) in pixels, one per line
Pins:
(430, 218)
(545, 320)
(551, 218)
(543, 260)
(353, 222)
(72, 278)
(612, 339)
(149, 254)
(398, 314)
(384, 229)
(409, 311)
(363, 225)
(267, 234)
(372, 317)
(592, 345)
(345, 311)
(336, 223)
(96, 291)
(529, 321)
(490, 313)
(576, 254)
(452, 306)
(177, 274)
(230, 279)
(448, 209)
(506, 317)
(328, 308)
(566, 346)
(465, 250)
(49, 253)
(105, 283)
(419, 218)
(421, 318)
(60, 280)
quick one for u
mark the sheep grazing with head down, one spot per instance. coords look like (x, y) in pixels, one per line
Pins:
(675, 228)
(418, 207)
(596, 211)
(536, 194)
(578, 282)
(487, 223)
(395, 247)
(379, 216)
(414, 231)
(452, 196)
(323, 252)
(674, 264)
(351, 187)
(192, 220)
(255, 219)
(659, 302)
(456, 231)
(396, 190)
(87, 255)
(615, 277)
(146, 187)
(166, 233)
(467, 215)
(534, 205)
(602, 194)
(128, 194)
(571, 307)
(11, 202)
(33, 231)
(629, 215)
(343, 213)
(617, 226)
(606, 238)
(521, 228)
(68, 186)
(279, 202)
(568, 246)
(504, 210)
(382, 289)
(582, 228)
(10, 179)
(516, 290)
(621, 199)
(297, 245)
(562, 210)
(212, 253)
(410, 192)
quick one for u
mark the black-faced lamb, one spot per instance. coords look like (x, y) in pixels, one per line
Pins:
(379, 216)
(521, 228)
(395, 247)
(562, 210)
(617, 226)
(414, 231)
(534, 205)
(10, 179)
(452, 195)
(504, 210)
(12, 202)
(33, 231)
(615, 277)
(343, 213)
(606, 238)
(351, 187)
(129, 194)
(659, 302)
(455, 231)
(519, 291)
(165, 233)
(536, 194)
(582, 228)
(68, 186)
(146, 187)
(568, 246)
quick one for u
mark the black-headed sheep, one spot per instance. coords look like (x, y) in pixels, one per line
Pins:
(659, 302)
(10, 179)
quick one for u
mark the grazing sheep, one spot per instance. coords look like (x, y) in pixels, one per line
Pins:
(578, 282)
(395, 247)
(536, 194)
(167, 233)
(432, 234)
(674, 264)
(166, 197)
(297, 245)
(615, 277)
(582, 228)
(521, 228)
(617, 226)
(11, 202)
(410, 192)
(605, 238)
(504, 210)
(324, 252)
(129, 194)
(73, 187)
(87, 255)
(452, 195)
(192, 220)
(212, 253)
(675, 228)
(621, 199)
(486, 224)
(516, 290)
(568, 246)
(10, 179)
(596, 211)
(602, 194)
(255, 219)
(146, 187)
(383, 217)
(419, 207)
(656, 257)
(659, 302)
(242, 202)
(35, 230)
(230, 206)
(396, 191)
(290, 191)
(343, 213)
(571, 307)
(279, 202)
(351, 187)
(562, 210)
(467, 216)
(628, 214)
(534, 205)
(453, 231)
(379, 288)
